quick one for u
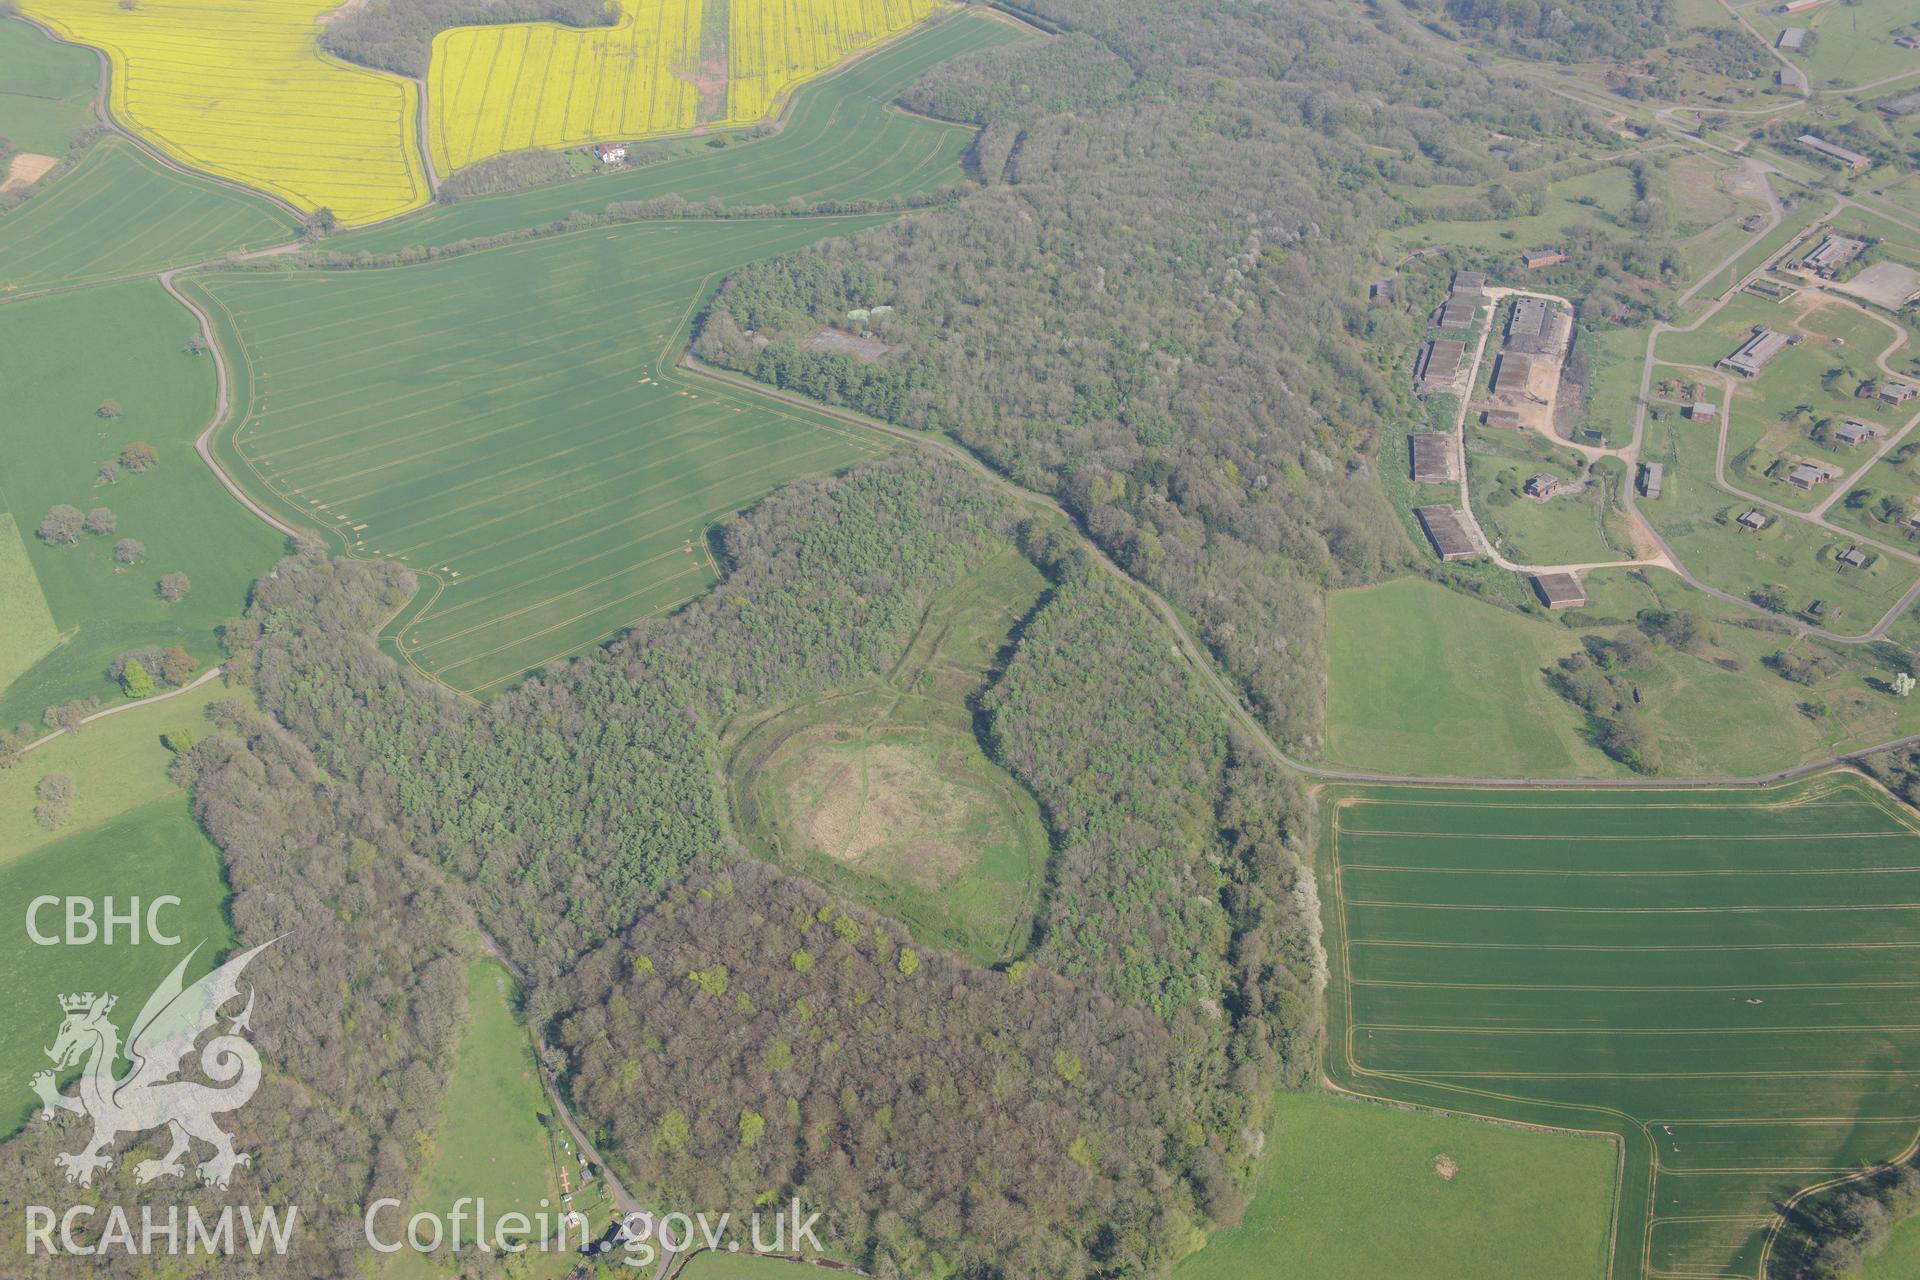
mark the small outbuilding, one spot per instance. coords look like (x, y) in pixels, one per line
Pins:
(611, 153)
(1702, 411)
(1853, 558)
(1543, 485)
(1753, 518)
(1806, 475)
(1852, 433)
(1651, 474)
(1897, 392)
(1534, 259)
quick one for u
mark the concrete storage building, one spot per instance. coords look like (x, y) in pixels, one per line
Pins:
(1560, 590)
(1447, 532)
(1433, 458)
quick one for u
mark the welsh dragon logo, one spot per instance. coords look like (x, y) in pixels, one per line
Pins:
(159, 1045)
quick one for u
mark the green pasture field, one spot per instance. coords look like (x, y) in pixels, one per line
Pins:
(1906, 192)
(119, 212)
(1855, 45)
(146, 852)
(1706, 211)
(1797, 374)
(68, 354)
(1697, 199)
(1569, 528)
(1721, 711)
(1697, 517)
(883, 792)
(1600, 198)
(46, 89)
(1613, 358)
(1900, 1260)
(1478, 675)
(1717, 712)
(843, 139)
(1517, 1203)
(1720, 977)
(117, 764)
(26, 626)
(508, 425)
(489, 1138)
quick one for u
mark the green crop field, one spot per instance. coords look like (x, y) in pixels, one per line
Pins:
(120, 212)
(507, 424)
(146, 852)
(1720, 977)
(488, 1138)
(1510, 1203)
(68, 355)
(843, 140)
(117, 763)
(883, 791)
(46, 89)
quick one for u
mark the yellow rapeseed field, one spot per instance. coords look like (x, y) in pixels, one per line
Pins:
(510, 88)
(240, 89)
(775, 44)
